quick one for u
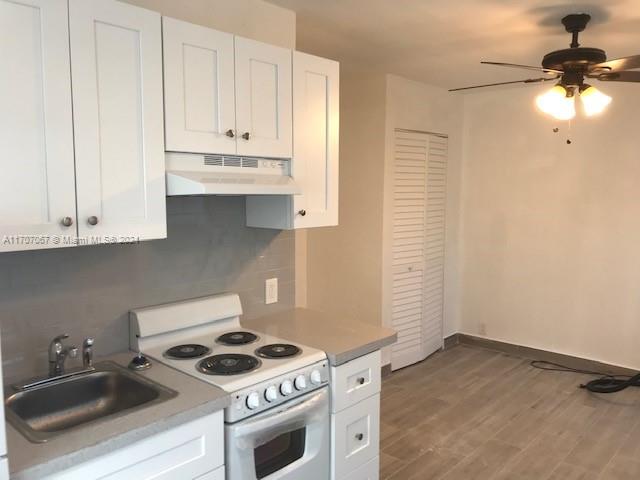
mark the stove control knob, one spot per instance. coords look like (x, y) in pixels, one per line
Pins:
(316, 377)
(286, 388)
(300, 382)
(253, 400)
(271, 394)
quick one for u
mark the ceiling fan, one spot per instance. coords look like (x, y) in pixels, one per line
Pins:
(572, 66)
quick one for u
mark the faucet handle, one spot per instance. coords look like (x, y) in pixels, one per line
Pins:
(87, 352)
(72, 352)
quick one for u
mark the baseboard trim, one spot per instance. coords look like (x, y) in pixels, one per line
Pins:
(536, 354)
(451, 341)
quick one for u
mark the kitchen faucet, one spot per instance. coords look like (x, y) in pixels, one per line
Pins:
(58, 353)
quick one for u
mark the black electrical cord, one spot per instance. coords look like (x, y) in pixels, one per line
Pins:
(605, 384)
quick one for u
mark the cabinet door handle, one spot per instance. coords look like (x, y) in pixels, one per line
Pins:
(230, 133)
(246, 135)
(92, 220)
(302, 212)
(67, 221)
(361, 381)
(359, 436)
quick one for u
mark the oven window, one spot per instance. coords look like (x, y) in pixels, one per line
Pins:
(279, 452)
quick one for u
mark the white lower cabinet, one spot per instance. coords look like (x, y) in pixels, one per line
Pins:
(193, 451)
(217, 474)
(356, 436)
(368, 471)
(355, 419)
(355, 381)
(4, 469)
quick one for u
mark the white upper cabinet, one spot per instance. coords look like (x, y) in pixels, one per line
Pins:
(116, 68)
(263, 99)
(225, 94)
(200, 110)
(37, 186)
(316, 114)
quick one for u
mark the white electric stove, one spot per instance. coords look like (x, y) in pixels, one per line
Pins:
(277, 425)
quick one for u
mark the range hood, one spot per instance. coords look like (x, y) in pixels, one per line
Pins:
(204, 174)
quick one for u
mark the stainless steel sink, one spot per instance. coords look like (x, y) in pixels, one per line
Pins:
(58, 406)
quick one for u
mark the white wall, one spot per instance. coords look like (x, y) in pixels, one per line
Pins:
(345, 262)
(416, 106)
(551, 238)
(254, 19)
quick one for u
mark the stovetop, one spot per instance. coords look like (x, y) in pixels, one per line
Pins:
(219, 363)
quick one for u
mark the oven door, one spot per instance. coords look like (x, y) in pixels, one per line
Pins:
(288, 442)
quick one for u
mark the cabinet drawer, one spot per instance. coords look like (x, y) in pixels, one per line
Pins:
(368, 471)
(356, 436)
(185, 452)
(217, 474)
(354, 381)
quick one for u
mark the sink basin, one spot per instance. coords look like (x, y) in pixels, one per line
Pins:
(56, 407)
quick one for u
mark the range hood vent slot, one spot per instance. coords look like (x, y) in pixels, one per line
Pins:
(230, 161)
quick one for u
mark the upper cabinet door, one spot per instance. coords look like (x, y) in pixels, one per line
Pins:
(37, 186)
(199, 90)
(263, 99)
(316, 87)
(116, 69)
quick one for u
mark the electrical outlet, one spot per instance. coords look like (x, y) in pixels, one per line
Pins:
(271, 290)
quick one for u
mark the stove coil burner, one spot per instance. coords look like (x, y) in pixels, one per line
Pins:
(228, 364)
(278, 350)
(237, 338)
(191, 350)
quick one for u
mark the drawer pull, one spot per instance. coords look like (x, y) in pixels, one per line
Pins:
(359, 436)
(361, 381)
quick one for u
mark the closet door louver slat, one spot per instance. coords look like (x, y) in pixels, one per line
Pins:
(417, 251)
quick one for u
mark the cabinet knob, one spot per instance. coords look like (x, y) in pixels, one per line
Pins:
(302, 212)
(246, 135)
(359, 436)
(230, 133)
(361, 381)
(67, 221)
(92, 220)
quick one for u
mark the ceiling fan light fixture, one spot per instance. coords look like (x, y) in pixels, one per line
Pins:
(593, 100)
(557, 102)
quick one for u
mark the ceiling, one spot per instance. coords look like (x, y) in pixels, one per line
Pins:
(441, 42)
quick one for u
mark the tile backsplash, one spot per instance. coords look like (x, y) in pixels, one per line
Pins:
(88, 291)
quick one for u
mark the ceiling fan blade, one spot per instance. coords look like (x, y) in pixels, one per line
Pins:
(625, 63)
(528, 80)
(619, 77)
(526, 67)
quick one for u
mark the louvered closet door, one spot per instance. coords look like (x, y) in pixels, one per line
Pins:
(419, 190)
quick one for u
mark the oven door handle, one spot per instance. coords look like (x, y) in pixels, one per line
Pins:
(309, 409)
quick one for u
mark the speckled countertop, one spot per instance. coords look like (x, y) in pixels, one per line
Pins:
(195, 399)
(342, 339)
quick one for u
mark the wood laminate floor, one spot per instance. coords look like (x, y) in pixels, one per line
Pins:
(469, 413)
